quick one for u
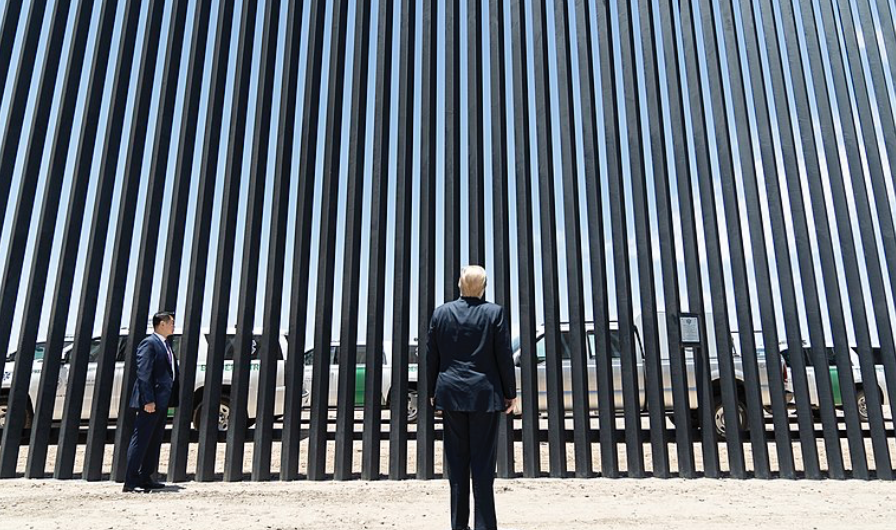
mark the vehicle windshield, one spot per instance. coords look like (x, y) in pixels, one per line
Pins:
(361, 355)
(38, 351)
(615, 348)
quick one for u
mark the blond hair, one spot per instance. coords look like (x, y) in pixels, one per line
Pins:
(473, 280)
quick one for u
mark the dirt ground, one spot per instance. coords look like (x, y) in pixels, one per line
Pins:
(523, 504)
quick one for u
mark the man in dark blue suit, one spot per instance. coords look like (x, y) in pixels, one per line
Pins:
(471, 372)
(156, 389)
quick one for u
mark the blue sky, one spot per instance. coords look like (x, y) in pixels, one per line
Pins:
(351, 120)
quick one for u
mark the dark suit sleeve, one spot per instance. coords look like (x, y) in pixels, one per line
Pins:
(504, 355)
(145, 360)
(433, 359)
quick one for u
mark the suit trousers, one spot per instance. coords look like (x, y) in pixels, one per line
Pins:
(471, 448)
(146, 443)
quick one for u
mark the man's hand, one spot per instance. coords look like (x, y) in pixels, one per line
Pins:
(150, 408)
(509, 405)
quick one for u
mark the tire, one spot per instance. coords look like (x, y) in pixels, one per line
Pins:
(4, 409)
(718, 414)
(862, 404)
(413, 412)
(223, 414)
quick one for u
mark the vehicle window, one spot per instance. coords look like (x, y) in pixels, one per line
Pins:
(92, 355)
(614, 345)
(123, 345)
(564, 344)
(876, 354)
(258, 348)
(39, 351)
(95, 345)
(807, 357)
(360, 354)
(832, 359)
(564, 347)
(334, 356)
(174, 340)
(229, 345)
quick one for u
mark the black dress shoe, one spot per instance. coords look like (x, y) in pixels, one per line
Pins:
(151, 485)
(127, 488)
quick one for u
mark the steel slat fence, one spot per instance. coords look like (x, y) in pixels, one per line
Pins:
(301, 182)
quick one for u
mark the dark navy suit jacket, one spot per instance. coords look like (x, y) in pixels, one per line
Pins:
(155, 378)
(470, 359)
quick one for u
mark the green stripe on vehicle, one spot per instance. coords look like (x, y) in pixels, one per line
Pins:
(360, 372)
(835, 382)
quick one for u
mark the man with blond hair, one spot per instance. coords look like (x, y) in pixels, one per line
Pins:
(471, 372)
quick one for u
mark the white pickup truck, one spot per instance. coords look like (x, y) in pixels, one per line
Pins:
(199, 384)
(715, 375)
(833, 373)
(360, 377)
(198, 388)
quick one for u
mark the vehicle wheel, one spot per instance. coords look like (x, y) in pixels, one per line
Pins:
(4, 409)
(718, 415)
(862, 404)
(223, 415)
(412, 405)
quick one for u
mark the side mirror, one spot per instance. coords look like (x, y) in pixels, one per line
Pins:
(516, 357)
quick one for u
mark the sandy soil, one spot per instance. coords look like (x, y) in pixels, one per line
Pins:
(518, 456)
(524, 504)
